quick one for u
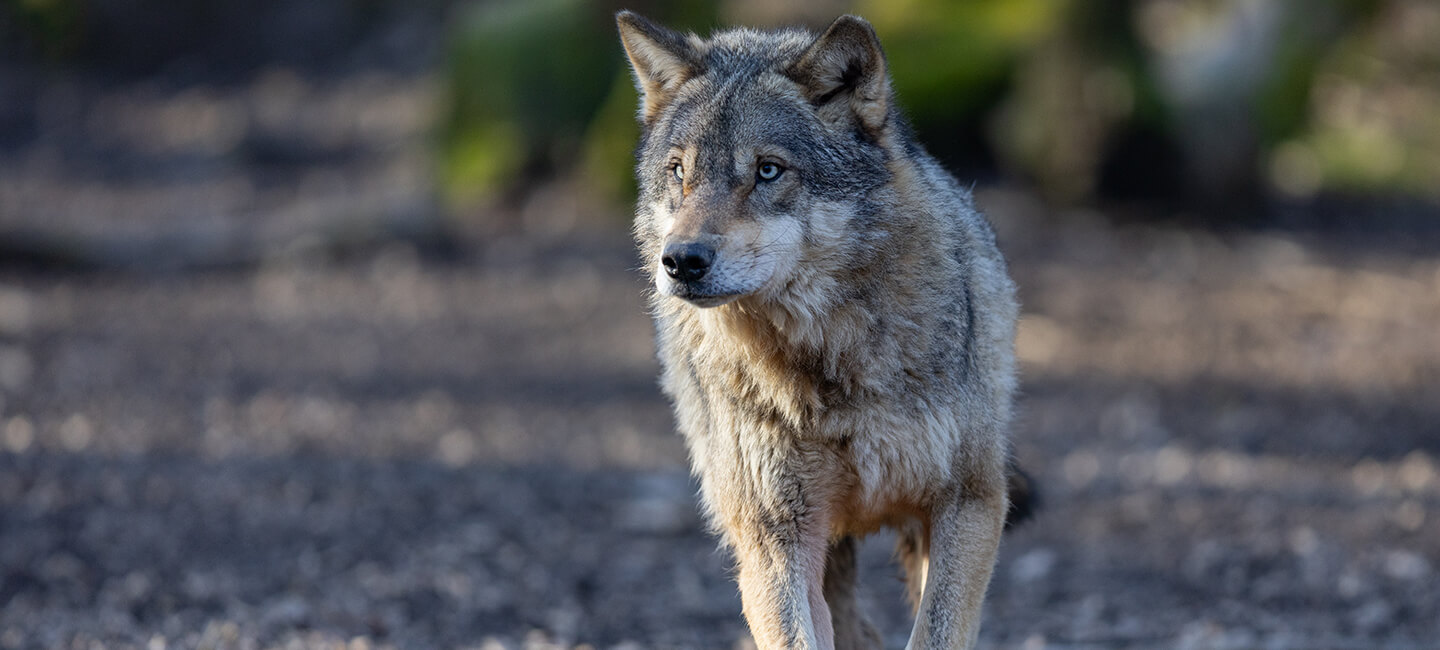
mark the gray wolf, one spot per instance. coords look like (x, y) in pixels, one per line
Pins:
(835, 325)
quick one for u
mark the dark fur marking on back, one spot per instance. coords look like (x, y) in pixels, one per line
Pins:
(968, 347)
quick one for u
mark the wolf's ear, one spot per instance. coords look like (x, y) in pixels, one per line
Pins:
(844, 71)
(662, 59)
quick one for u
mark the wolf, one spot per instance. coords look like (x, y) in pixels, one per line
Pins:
(835, 326)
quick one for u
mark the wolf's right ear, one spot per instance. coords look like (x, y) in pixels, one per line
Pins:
(662, 59)
(843, 73)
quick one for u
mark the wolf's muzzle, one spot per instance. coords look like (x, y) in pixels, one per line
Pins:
(687, 261)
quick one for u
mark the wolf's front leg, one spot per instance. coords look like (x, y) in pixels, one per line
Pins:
(964, 538)
(782, 568)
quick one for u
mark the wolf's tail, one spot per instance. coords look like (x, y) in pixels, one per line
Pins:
(1024, 496)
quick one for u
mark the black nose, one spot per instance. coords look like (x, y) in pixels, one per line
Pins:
(687, 262)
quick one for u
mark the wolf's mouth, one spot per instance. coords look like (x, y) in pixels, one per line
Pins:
(712, 301)
(695, 296)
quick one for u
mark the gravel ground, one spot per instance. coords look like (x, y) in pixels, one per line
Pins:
(324, 445)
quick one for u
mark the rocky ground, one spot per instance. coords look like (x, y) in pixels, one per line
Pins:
(253, 394)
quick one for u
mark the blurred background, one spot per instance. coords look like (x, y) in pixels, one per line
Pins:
(320, 324)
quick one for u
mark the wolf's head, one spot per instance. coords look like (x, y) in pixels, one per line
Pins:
(759, 154)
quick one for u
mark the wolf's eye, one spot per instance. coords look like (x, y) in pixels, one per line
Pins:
(678, 170)
(768, 171)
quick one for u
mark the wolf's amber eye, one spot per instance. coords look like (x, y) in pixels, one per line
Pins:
(679, 171)
(768, 171)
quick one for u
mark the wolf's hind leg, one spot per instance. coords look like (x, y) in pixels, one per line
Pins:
(910, 551)
(853, 631)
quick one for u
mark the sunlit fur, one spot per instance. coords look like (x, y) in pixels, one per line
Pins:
(847, 362)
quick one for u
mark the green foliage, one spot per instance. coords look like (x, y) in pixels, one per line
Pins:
(950, 57)
(53, 25)
(952, 62)
(1284, 100)
(1057, 91)
(606, 165)
(1374, 120)
(525, 79)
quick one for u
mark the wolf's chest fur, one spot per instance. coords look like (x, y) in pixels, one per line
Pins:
(866, 387)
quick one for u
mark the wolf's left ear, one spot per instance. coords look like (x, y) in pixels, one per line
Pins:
(844, 71)
(662, 59)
